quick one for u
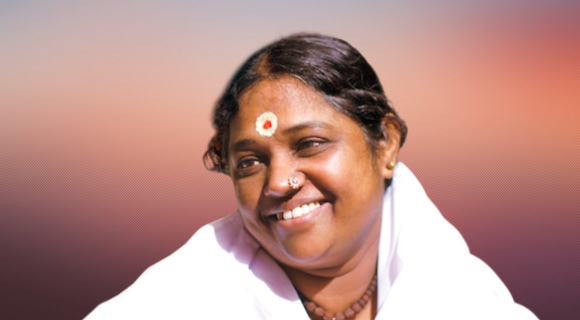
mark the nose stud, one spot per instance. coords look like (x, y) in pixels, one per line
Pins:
(293, 182)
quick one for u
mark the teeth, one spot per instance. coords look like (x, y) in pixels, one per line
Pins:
(298, 211)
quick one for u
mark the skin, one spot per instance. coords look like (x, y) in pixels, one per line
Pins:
(329, 254)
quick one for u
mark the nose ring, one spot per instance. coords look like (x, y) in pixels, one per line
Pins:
(293, 182)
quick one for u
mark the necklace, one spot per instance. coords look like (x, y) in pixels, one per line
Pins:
(318, 312)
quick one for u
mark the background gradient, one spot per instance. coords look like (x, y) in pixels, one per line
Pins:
(105, 114)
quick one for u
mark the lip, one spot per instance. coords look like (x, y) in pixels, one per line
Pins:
(304, 219)
(291, 204)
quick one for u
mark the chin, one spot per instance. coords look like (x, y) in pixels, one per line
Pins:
(300, 253)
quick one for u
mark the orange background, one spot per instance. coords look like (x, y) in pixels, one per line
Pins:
(105, 114)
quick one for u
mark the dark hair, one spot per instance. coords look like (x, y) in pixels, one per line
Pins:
(330, 65)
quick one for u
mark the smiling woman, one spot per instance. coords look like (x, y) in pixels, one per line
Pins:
(326, 152)
(329, 225)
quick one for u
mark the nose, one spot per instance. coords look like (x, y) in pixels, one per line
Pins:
(280, 182)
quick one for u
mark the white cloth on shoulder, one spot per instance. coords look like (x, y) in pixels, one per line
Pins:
(425, 271)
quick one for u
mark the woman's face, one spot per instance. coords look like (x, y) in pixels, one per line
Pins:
(335, 168)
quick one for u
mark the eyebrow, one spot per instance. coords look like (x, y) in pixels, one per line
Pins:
(306, 125)
(242, 144)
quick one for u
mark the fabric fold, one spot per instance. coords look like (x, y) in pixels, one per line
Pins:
(425, 271)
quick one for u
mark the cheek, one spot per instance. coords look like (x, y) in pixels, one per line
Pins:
(352, 176)
(345, 168)
(247, 208)
(247, 196)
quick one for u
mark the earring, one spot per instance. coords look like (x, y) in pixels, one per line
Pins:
(293, 182)
(391, 165)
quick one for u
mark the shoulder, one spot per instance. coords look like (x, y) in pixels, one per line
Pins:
(475, 291)
(463, 287)
(189, 282)
(434, 274)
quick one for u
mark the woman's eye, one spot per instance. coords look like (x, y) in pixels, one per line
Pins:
(247, 163)
(309, 146)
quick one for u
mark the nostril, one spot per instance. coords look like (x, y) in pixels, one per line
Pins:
(282, 177)
(282, 187)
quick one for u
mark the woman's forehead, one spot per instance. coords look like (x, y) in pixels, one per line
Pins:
(287, 98)
(275, 110)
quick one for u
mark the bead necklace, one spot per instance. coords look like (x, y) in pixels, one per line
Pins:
(318, 312)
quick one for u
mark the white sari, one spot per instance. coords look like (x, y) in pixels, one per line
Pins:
(425, 271)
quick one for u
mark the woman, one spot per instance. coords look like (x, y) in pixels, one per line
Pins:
(329, 225)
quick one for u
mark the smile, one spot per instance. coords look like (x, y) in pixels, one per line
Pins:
(298, 211)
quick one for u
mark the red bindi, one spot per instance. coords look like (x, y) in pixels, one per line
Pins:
(267, 125)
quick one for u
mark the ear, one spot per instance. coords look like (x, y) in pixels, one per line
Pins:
(389, 146)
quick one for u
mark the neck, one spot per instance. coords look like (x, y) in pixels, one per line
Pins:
(336, 289)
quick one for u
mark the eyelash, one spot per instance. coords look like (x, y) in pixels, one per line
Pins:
(309, 145)
(244, 161)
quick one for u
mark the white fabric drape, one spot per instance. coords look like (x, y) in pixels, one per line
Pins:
(425, 271)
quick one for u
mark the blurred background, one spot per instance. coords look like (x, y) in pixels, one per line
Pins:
(105, 114)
